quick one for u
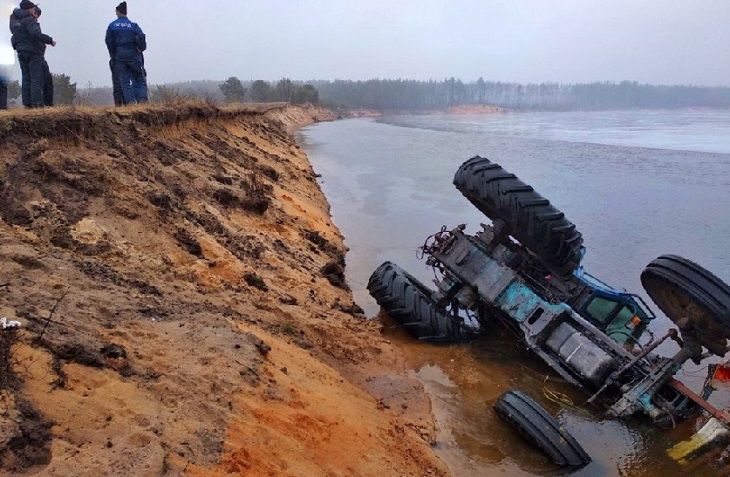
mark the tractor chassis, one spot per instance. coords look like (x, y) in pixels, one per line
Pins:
(477, 276)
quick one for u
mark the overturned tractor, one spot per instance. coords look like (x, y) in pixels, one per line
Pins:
(524, 271)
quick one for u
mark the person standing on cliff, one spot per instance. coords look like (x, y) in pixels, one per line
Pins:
(47, 76)
(126, 42)
(116, 84)
(30, 43)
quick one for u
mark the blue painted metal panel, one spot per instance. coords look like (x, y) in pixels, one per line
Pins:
(593, 282)
(520, 302)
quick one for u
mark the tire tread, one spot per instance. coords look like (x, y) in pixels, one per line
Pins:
(532, 220)
(541, 429)
(409, 303)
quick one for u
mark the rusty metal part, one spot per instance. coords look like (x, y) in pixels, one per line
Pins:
(721, 415)
(613, 378)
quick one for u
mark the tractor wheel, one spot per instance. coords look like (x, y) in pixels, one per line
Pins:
(692, 297)
(530, 218)
(540, 428)
(409, 302)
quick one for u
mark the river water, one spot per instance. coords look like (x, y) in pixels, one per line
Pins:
(637, 184)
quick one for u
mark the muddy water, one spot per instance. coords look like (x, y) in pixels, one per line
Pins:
(660, 184)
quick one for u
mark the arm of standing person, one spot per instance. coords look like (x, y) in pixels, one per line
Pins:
(14, 26)
(140, 38)
(110, 42)
(34, 31)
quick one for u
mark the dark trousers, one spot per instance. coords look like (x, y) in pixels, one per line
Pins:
(47, 85)
(3, 94)
(133, 80)
(32, 67)
(116, 85)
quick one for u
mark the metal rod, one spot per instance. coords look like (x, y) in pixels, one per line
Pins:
(672, 333)
(720, 415)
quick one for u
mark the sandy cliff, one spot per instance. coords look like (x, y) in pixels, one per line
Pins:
(180, 285)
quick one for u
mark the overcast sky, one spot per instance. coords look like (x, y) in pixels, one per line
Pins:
(655, 41)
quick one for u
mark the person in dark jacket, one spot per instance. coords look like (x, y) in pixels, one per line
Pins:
(47, 76)
(30, 43)
(126, 42)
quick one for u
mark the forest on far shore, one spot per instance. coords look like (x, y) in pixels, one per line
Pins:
(432, 95)
(415, 95)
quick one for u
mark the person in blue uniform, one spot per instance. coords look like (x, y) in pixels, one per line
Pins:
(116, 85)
(126, 42)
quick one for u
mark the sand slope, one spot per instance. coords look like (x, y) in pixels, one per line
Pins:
(202, 325)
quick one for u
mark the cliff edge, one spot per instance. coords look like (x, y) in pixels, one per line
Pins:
(184, 311)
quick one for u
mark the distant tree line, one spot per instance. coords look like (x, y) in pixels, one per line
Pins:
(412, 95)
(384, 94)
(260, 91)
(232, 90)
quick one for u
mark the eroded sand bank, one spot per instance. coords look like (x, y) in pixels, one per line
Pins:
(199, 319)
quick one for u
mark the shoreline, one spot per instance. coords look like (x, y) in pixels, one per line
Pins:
(461, 110)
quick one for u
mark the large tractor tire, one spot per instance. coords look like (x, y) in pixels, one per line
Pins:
(529, 217)
(692, 297)
(541, 429)
(409, 303)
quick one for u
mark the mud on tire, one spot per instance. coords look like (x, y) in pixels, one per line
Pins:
(537, 426)
(530, 217)
(691, 296)
(409, 302)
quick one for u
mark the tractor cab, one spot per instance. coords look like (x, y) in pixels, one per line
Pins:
(621, 315)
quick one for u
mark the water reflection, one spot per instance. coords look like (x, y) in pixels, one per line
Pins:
(465, 381)
(390, 187)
